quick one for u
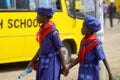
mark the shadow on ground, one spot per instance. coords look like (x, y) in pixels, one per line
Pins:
(13, 66)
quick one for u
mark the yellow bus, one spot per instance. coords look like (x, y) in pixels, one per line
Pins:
(18, 27)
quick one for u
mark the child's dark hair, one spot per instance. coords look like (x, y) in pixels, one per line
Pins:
(49, 17)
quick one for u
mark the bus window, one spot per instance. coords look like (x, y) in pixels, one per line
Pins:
(22, 4)
(75, 8)
(70, 7)
(56, 4)
(5, 4)
(14, 4)
(29, 4)
(80, 8)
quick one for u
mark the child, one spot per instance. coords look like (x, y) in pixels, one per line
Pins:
(50, 55)
(91, 52)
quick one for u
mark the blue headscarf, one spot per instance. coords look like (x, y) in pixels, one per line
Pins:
(45, 11)
(92, 23)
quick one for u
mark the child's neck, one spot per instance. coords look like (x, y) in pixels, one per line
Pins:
(44, 23)
(88, 35)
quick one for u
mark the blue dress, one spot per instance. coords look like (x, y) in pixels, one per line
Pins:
(49, 64)
(90, 69)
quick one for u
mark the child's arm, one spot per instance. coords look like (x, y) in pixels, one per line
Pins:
(108, 69)
(72, 64)
(34, 59)
(65, 70)
(69, 67)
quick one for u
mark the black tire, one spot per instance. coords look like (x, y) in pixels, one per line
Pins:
(67, 51)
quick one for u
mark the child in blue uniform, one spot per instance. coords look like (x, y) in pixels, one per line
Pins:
(50, 56)
(91, 52)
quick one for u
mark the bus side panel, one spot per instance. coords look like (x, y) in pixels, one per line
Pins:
(17, 36)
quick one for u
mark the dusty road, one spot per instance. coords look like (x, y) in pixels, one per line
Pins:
(112, 46)
(112, 50)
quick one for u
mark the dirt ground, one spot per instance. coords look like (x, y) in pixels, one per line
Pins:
(111, 47)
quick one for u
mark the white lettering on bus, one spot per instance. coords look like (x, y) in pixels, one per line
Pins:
(1, 24)
(22, 23)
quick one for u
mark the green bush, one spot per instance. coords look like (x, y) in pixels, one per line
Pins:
(117, 77)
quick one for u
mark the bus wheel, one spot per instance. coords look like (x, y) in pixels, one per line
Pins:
(67, 51)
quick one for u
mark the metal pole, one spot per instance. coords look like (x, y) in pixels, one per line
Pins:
(99, 16)
(100, 34)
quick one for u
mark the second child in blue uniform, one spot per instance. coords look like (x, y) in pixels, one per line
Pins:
(50, 56)
(91, 52)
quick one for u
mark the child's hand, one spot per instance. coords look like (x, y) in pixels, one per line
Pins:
(30, 64)
(65, 71)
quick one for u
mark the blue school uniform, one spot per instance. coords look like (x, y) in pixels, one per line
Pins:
(49, 64)
(90, 69)
(91, 52)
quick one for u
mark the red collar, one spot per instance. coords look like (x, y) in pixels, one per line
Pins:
(86, 49)
(46, 29)
(86, 40)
